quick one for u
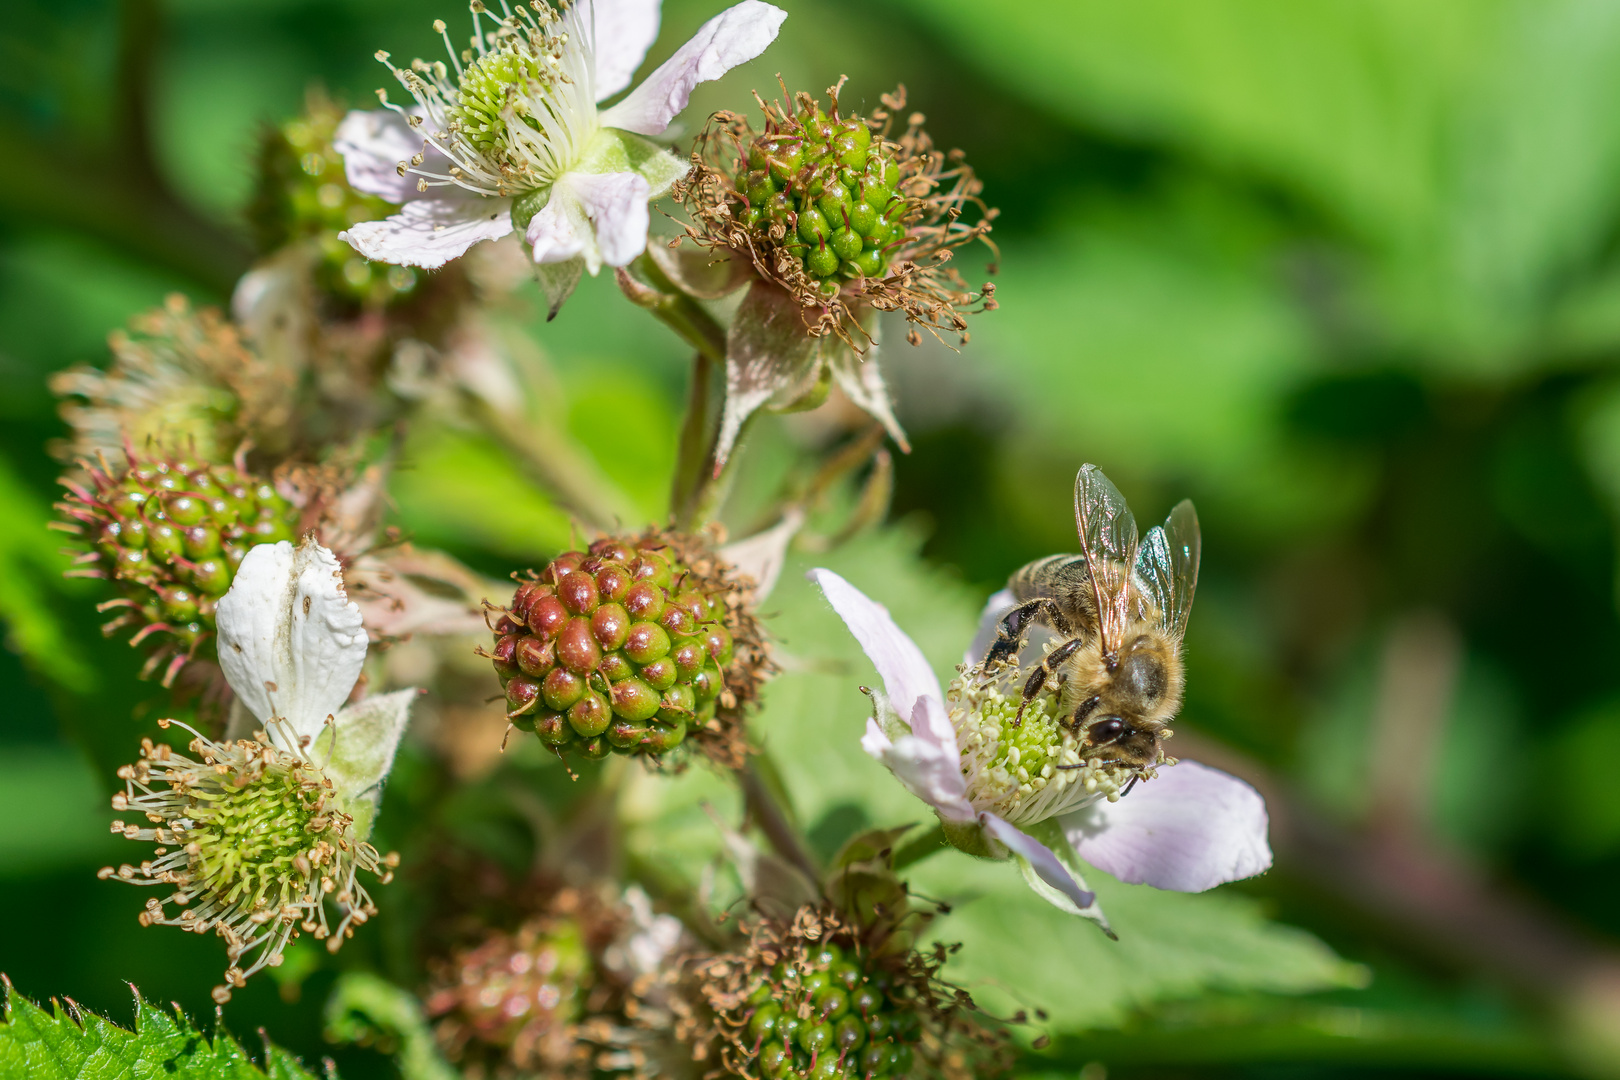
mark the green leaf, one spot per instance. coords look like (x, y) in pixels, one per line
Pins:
(28, 552)
(71, 1043)
(1171, 945)
(365, 1009)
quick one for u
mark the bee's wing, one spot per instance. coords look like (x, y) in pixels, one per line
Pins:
(1108, 538)
(1167, 567)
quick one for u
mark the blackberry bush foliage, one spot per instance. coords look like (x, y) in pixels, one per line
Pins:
(632, 647)
(169, 532)
(840, 214)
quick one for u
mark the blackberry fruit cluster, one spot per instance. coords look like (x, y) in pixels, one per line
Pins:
(832, 187)
(170, 534)
(622, 648)
(303, 194)
(828, 1017)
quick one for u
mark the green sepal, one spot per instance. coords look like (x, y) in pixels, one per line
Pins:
(613, 150)
(366, 1009)
(367, 734)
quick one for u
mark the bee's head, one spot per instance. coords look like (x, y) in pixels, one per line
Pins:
(1137, 697)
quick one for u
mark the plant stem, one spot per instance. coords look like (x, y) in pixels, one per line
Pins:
(773, 821)
(919, 848)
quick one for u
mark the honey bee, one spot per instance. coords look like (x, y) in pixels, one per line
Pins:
(1122, 606)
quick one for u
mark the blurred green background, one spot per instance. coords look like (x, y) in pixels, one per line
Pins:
(1345, 273)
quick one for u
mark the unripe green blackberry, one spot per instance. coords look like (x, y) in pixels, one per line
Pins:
(627, 648)
(170, 534)
(829, 1013)
(833, 190)
(817, 998)
(304, 195)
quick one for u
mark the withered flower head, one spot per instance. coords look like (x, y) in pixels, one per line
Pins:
(180, 380)
(831, 218)
(635, 646)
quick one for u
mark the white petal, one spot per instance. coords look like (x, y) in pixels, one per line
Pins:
(735, 36)
(761, 556)
(906, 674)
(623, 31)
(995, 609)
(1047, 868)
(373, 144)
(616, 204)
(1190, 829)
(290, 641)
(927, 770)
(430, 231)
(556, 233)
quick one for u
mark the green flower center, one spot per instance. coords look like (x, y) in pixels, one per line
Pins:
(1023, 768)
(489, 86)
(253, 842)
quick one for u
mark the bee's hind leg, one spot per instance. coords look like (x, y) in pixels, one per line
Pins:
(1044, 670)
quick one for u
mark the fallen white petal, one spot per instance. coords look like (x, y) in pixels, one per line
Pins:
(373, 144)
(430, 231)
(1190, 829)
(616, 204)
(735, 36)
(622, 31)
(290, 641)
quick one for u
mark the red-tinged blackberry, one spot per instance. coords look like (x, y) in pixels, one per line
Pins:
(813, 999)
(169, 533)
(633, 646)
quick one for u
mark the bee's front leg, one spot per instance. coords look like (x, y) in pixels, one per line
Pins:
(1015, 627)
(1044, 670)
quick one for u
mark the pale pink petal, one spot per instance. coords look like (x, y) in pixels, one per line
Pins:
(431, 231)
(554, 235)
(290, 641)
(1190, 829)
(373, 144)
(929, 771)
(906, 674)
(1041, 859)
(616, 204)
(623, 31)
(735, 36)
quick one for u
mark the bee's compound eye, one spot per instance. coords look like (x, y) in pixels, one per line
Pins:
(1105, 730)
